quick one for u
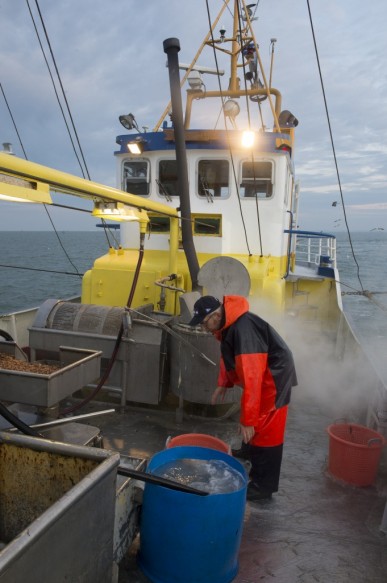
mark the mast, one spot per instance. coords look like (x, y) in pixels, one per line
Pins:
(242, 37)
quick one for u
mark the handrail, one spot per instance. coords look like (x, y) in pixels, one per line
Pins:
(317, 247)
(315, 234)
(290, 231)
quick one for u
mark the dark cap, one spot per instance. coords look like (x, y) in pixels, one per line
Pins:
(202, 307)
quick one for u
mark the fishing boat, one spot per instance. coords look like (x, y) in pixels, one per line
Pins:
(204, 207)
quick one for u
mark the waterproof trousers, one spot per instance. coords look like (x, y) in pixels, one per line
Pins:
(265, 450)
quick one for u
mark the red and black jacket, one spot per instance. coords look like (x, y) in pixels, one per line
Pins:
(255, 357)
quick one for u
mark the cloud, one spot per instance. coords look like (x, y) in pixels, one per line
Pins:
(111, 59)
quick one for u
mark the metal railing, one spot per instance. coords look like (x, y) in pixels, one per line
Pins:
(311, 246)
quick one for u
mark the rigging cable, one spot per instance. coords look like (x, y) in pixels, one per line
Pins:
(229, 143)
(64, 118)
(56, 92)
(60, 81)
(249, 119)
(13, 121)
(333, 145)
(63, 94)
(39, 269)
(26, 157)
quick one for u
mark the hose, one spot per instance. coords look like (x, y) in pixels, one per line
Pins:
(6, 336)
(23, 427)
(6, 413)
(113, 357)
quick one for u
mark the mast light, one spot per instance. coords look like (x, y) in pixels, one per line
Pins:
(248, 139)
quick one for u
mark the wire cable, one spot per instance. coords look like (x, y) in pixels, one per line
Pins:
(61, 84)
(77, 274)
(249, 126)
(55, 90)
(227, 131)
(13, 121)
(333, 145)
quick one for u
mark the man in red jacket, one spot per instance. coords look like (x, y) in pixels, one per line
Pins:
(255, 357)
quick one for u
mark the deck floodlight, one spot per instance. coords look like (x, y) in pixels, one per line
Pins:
(287, 119)
(129, 122)
(118, 211)
(136, 146)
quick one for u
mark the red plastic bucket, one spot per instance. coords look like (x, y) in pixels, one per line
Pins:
(354, 453)
(199, 440)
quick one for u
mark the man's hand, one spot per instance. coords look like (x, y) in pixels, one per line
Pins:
(247, 432)
(219, 392)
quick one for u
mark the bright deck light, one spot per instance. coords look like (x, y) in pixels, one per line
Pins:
(248, 139)
(116, 211)
(134, 148)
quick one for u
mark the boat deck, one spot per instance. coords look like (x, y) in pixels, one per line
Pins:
(315, 529)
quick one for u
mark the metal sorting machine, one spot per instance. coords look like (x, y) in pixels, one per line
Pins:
(61, 497)
(139, 372)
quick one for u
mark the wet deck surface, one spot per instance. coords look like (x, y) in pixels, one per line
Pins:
(315, 529)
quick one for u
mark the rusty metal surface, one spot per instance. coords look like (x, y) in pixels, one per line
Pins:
(31, 481)
(63, 498)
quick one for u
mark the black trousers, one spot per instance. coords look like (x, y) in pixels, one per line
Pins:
(265, 465)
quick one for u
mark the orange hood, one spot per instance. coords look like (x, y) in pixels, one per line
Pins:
(234, 307)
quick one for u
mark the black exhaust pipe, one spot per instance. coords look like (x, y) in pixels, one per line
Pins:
(171, 48)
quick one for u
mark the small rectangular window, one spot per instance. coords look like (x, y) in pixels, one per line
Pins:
(136, 177)
(167, 179)
(158, 223)
(256, 180)
(213, 178)
(204, 224)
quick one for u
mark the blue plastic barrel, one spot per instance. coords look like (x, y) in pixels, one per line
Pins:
(185, 538)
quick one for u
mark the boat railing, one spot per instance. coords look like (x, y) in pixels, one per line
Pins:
(310, 248)
(17, 324)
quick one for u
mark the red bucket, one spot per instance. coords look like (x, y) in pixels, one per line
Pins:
(199, 440)
(354, 453)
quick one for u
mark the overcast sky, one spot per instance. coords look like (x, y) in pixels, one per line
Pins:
(111, 61)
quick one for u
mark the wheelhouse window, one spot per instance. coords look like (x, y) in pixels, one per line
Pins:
(167, 180)
(256, 179)
(213, 178)
(136, 177)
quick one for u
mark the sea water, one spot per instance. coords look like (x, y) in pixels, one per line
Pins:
(212, 476)
(34, 267)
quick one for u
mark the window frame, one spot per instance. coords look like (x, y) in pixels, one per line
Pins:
(147, 180)
(272, 181)
(159, 194)
(211, 159)
(203, 217)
